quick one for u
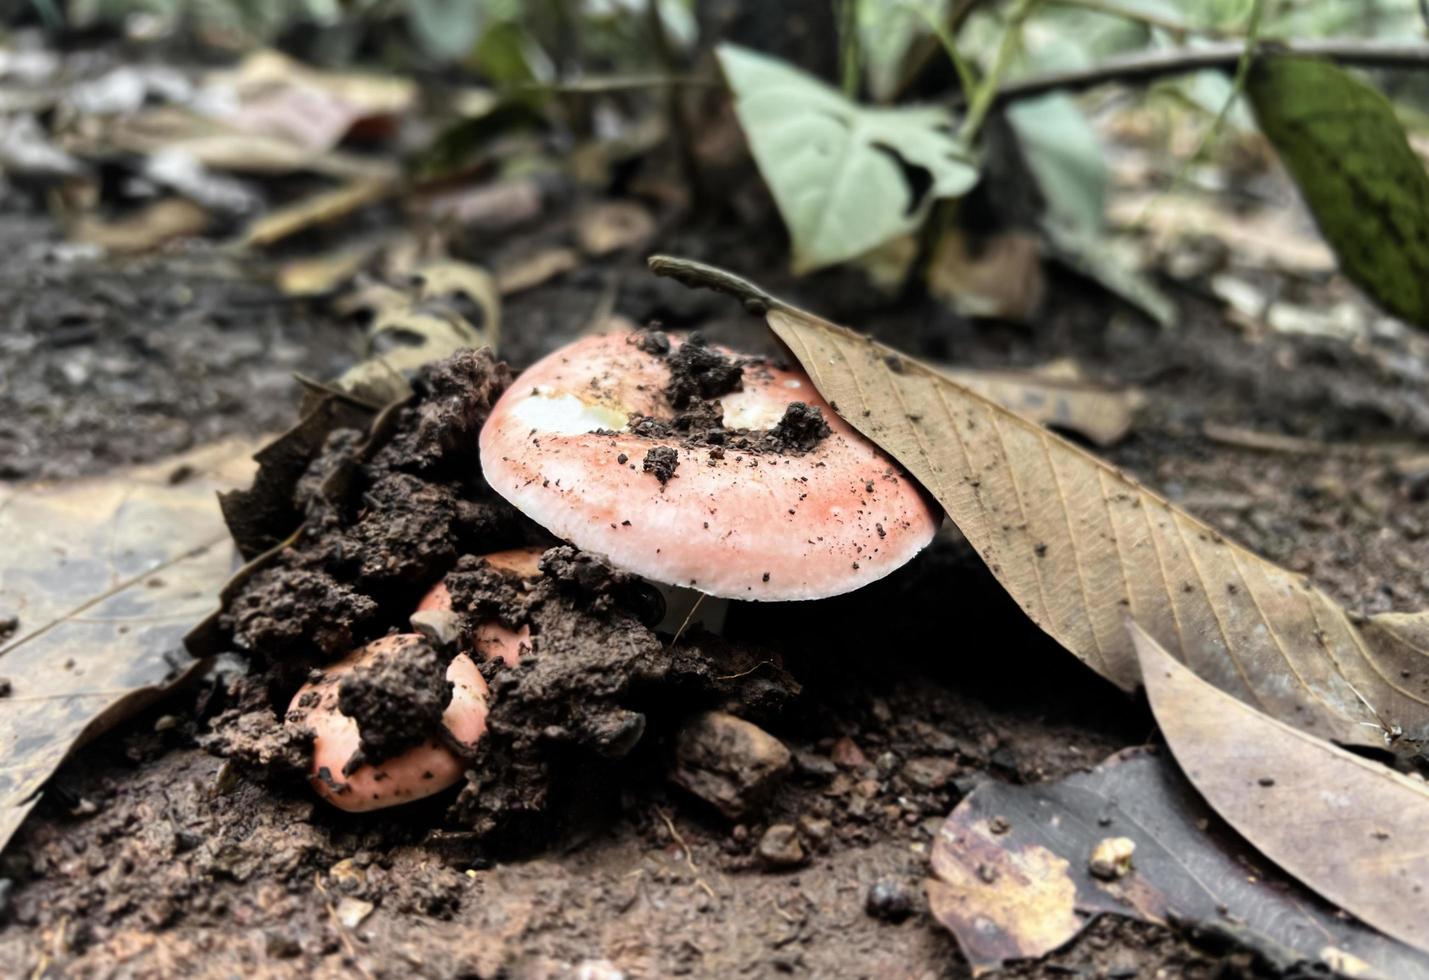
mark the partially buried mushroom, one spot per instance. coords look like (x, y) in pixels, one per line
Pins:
(342, 771)
(689, 466)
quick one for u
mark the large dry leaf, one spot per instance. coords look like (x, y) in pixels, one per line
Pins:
(106, 576)
(1080, 545)
(1349, 828)
(1013, 879)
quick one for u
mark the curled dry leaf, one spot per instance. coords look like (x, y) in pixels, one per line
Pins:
(148, 228)
(427, 327)
(106, 575)
(1081, 545)
(321, 208)
(1348, 828)
(1013, 877)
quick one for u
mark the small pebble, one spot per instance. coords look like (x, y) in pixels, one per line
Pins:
(890, 899)
(1111, 858)
(780, 847)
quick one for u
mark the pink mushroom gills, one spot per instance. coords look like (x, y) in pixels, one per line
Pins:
(584, 444)
(427, 768)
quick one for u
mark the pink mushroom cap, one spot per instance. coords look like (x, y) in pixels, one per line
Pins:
(762, 526)
(421, 770)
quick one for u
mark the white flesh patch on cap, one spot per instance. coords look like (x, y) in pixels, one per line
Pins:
(566, 415)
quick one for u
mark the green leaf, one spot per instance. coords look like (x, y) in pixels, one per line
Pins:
(446, 29)
(1367, 188)
(837, 169)
(1065, 157)
(887, 30)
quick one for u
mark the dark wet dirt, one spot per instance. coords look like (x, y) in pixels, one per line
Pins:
(153, 856)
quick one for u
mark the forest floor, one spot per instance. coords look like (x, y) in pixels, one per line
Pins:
(149, 856)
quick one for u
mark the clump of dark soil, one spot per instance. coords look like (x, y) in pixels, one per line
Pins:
(387, 515)
(661, 461)
(801, 428)
(397, 700)
(699, 375)
(699, 371)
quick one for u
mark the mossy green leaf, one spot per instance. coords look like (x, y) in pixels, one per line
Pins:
(1366, 187)
(839, 172)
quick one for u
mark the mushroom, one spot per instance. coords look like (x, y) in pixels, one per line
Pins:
(693, 468)
(433, 765)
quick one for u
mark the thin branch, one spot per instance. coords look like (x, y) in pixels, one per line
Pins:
(1142, 67)
(1176, 27)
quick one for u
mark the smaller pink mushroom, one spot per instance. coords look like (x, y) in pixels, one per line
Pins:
(432, 766)
(420, 771)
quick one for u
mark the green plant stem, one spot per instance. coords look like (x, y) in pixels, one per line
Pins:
(986, 94)
(675, 108)
(1179, 28)
(850, 51)
(1242, 70)
(945, 37)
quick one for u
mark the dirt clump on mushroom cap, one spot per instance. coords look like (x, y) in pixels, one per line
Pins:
(697, 371)
(397, 700)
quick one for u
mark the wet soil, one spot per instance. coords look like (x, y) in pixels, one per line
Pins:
(153, 856)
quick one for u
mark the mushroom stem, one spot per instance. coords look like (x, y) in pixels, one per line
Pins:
(688, 607)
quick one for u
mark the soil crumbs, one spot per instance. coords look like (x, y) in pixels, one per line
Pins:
(577, 853)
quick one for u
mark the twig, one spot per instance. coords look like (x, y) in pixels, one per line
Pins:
(1176, 27)
(1242, 72)
(689, 855)
(620, 83)
(685, 625)
(744, 673)
(1143, 67)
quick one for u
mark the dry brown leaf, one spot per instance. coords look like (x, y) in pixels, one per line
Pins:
(148, 228)
(329, 205)
(1014, 878)
(1081, 545)
(529, 271)
(1264, 238)
(1000, 276)
(215, 145)
(106, 576)
(317, 275)
(613, 225)
(270, 94)
(1346, 827)
(1102, 415)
